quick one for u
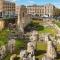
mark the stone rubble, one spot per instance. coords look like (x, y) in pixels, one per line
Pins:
(9, 47)
(29, 54)
(2, 52)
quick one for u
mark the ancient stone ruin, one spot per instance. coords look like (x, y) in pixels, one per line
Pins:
(34, 38)
(30, 48)
(51, 53)
(2, 52)
(24, 55)
(11, 45)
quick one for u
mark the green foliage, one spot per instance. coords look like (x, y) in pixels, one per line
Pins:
(36, 26)
(3, 36)
(41, 50)
(20, 43)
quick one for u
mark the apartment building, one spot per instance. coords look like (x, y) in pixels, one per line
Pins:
(57, 12)
(43, 10)
(35, 9)
(7, 9)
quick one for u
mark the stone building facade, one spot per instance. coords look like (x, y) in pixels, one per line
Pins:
(7, 11)
(7, 8)
(43, 10)
(23, 18)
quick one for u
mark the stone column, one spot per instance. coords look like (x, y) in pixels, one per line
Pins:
(34, 38)
(2, 52)
(19, 23)
(51, 52)
(11, 45)
(23, 54)
(30, 48)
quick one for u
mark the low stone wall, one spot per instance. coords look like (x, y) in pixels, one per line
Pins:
(2, 22)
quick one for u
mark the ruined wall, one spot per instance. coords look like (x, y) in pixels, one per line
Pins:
(2, 23)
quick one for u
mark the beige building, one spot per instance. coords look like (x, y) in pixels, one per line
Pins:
(57, 11)
(35, 9)
(23, 18)
(7, 11)
(43, 10)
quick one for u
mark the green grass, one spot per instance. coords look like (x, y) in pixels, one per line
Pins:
(41, 46)
(3, 36)
(58, 47)
(41, 49)
(48, 30)
(20, 44)
(57, 23)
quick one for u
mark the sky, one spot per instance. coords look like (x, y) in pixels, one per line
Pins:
(38, 2)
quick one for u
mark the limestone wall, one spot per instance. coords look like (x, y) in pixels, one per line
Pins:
(27, 19)
(1, 24)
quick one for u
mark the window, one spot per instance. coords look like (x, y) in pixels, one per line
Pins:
(23, 14)
(0, 14)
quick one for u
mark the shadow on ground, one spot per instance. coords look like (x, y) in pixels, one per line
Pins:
(33, 26)
(58, 56)
(16, 58)
(40, 52)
